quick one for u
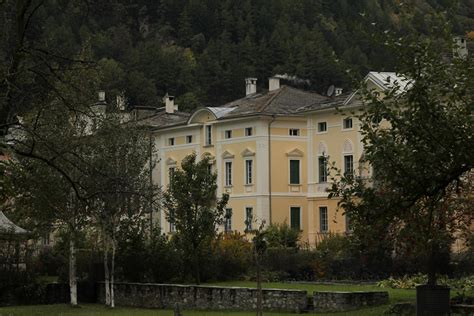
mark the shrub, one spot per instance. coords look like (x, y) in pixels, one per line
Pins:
(282, 235)
(232, 256)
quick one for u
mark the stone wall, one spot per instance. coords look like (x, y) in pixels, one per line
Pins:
(345, 301)
(204, 297)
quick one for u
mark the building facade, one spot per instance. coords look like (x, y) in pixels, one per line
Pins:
(271, 153)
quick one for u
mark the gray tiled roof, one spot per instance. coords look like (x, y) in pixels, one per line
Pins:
(283, 101)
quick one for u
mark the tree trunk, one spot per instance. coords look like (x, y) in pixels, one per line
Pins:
(259, 289)
(432, 280)
(72, 271)
(112, 273)
(106, 271)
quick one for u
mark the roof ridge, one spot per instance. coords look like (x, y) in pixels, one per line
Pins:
(284, 87)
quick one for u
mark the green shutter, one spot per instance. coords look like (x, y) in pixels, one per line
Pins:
(295, 218)
(294, 172)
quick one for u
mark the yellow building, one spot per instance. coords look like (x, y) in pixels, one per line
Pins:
(270, 151)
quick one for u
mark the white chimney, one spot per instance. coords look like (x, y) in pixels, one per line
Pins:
(460, 47)
(250, 86)
(169, 104)
(101, 96)
(273, 83)
(337, 91)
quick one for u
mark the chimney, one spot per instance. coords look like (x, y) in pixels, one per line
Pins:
(337, 91)
(460, 47)
(169, 104)
(273, 83)
(101, 96)
(250, 86)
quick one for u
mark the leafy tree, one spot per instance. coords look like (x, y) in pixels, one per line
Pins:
(191, 205)
(282, 235)
(418, 138)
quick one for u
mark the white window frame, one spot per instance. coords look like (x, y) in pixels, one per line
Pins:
(320, 219)
(247, 223)
(296, 130)
(319, 169)
(300, 171)
(319, 131)
(228, 220)
(228, 173)
(248, 176)
(301, 215)
(344, 163)
(247, 129)
(228, 134)
(189, 139)
(171, 141)
(344, 124)
(208, 135)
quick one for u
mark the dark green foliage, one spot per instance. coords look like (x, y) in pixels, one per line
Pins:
(192, 206)
(207, 47)
(282, 236)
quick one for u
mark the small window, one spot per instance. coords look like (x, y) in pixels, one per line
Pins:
(228, 173)
(171, 141)
(348, 165)
(228, 220)
(248, 218)
(322, 127)
(208, 134)
(228, 134)
(209, 168)
(189, 139)
(349, 228)
(323, 169)
(170, 174)
(294, 132)
(248, 171)
(347, 123)
(295, 218)
(172, 226)
(248, 131)
(323, 219)
(294, 172)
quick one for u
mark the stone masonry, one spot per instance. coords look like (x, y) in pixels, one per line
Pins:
(165, 296)
(345, 301)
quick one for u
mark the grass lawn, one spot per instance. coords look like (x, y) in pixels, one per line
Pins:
(96, 310)
(395, 295)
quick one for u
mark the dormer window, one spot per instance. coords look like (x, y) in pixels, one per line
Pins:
(294, 132)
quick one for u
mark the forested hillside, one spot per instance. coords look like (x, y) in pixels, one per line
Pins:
(201, 50)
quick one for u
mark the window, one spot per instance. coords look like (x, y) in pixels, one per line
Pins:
(228, 133)
(208, 135)
(323, 219)
(294, 172)
(248, 218)
(228, 173)
(323, 169)
(348, 224)
(228, 220)
(295, 217)
(322, 127)
(172, 226)
(248, 131)
(248, 171)
(171, 173)
(209, 168)
(189, 139)
(294, 132)
(347, 123)
(171, 141)
(348, 165)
